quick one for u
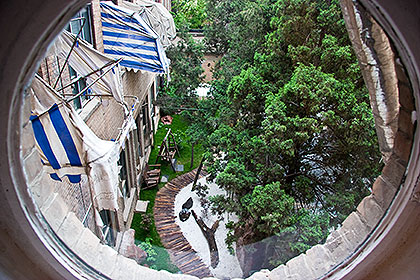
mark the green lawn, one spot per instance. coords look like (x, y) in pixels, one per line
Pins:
(179, 126)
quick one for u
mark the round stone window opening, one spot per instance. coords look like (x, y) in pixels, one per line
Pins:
(349, 252)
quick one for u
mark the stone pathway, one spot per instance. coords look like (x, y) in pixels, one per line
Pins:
(180, 251)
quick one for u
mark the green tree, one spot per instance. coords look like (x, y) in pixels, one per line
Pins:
(185, 74)
(192, 12)
(292, 135)
(320, 130)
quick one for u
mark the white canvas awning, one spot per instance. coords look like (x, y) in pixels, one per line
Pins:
(69, 148)
(157, 17)
(84, 59)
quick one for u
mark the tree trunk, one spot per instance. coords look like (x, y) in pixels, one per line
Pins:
(211, 240)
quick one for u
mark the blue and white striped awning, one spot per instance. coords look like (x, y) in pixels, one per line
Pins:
(57, 147)
(69, 148)
(58, 141)
(127, 36)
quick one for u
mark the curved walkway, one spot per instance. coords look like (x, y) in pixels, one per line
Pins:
(180, 251)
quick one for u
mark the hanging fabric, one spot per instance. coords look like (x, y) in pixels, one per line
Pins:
(68, 148)
(157, 17)
(84, 59)
(126, 35)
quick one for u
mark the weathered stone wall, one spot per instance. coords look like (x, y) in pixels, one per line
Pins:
(208, 64)
(377, 62)
(49, 70)
(106, 120)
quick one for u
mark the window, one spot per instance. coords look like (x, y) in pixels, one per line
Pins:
(146, 124)
(137, 145)
(77, 21)
(140, 138)
(159, 84)
(78, 87)
(109, 227)
(74, 27)
(151, 99)
(122, 164)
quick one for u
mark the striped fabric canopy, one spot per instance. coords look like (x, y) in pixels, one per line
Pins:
(126, 35)
(55, 135)
(59, 151)
(69, 148)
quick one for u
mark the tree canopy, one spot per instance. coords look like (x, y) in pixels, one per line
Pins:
(291, 134)
(186, 72)
(192, 13)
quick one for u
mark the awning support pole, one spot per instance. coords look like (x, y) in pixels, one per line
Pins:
(87, 75)
(94, 82)
(93, 95)
(68, 55)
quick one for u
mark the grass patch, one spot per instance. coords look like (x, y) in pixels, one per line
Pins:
(179, 126)
(144, 225)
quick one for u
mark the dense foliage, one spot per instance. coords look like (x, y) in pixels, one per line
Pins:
(192, 13)
(186, 72)
(291, 134)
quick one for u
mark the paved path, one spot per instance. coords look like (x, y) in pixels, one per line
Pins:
(180, 251)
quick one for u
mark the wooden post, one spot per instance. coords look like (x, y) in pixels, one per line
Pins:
(192, 155)
(197, 175)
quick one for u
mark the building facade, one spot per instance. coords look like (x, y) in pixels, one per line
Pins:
(107, 118)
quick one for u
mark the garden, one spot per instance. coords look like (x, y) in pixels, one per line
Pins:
(143, 223)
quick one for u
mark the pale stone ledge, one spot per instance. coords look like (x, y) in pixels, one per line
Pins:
(319, 260)
(402, 146)
(27, 140)
(405, 123)
(124, 269)
(337, 246)
(41, 189)
(393, 171)
(71, 230)
(298, 268)
(87, 247)
(260, 275)
(26, 110)
(370, 211)
(278, 273)
(32, 166)
(384, 192)
(55, 212)
(107, 259)
(355, 231)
